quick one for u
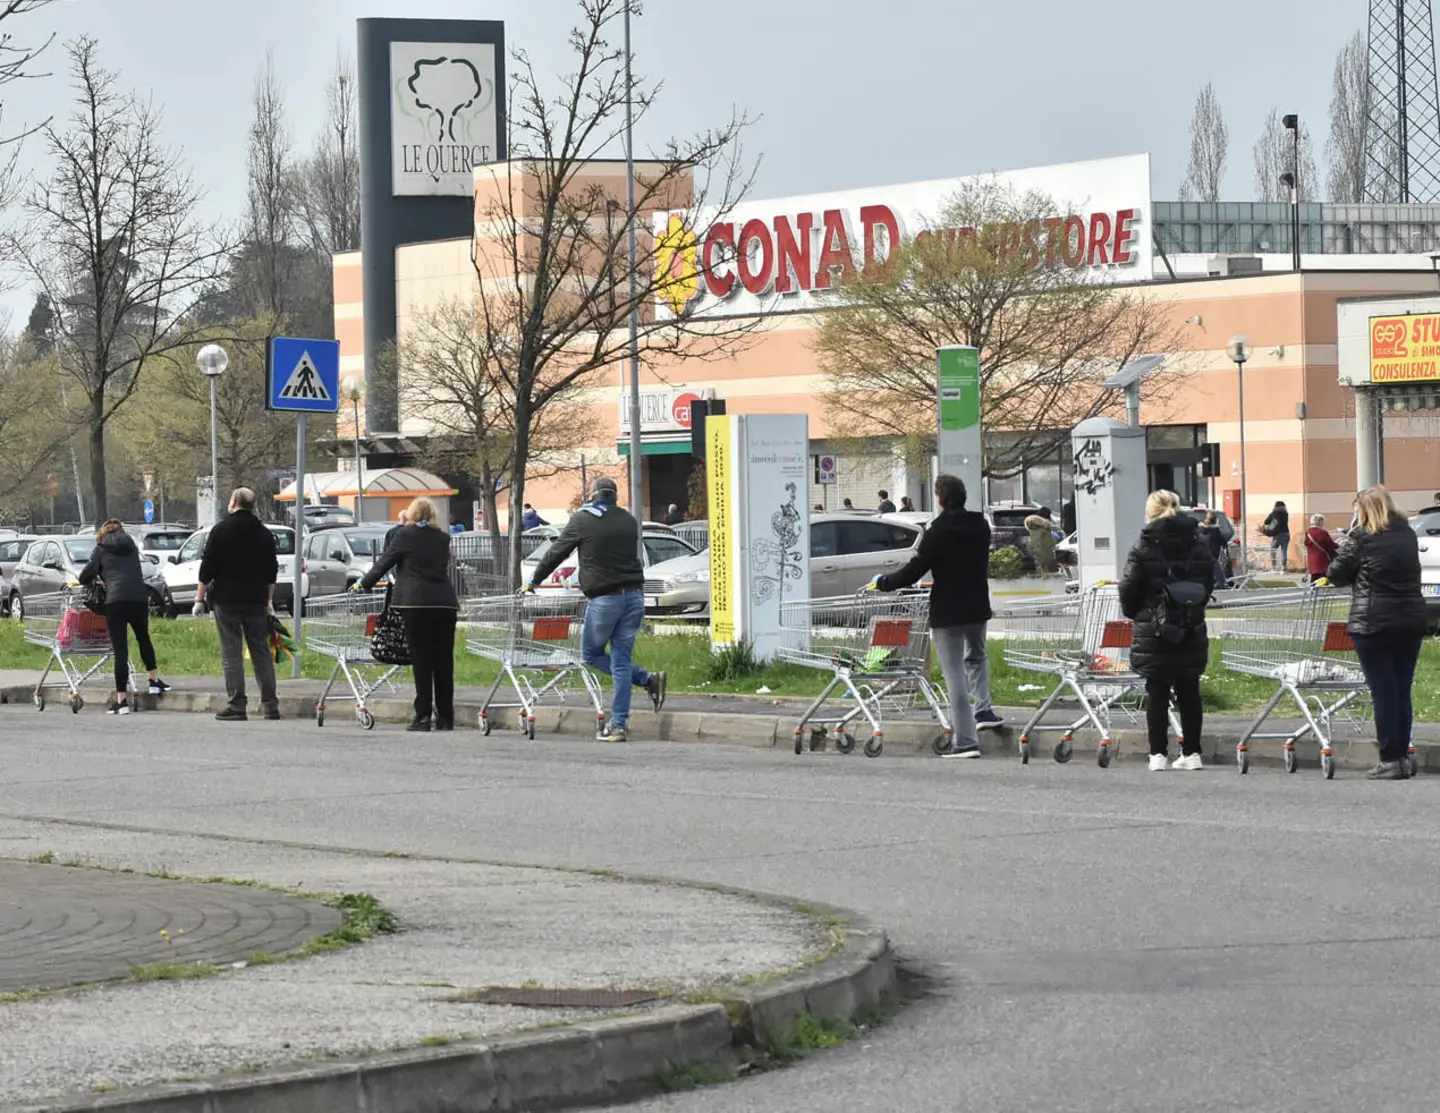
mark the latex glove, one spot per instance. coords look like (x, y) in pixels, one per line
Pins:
(873, 585)
(198, 610)
(270, 608)
(528, 589)
(1323, 581)
(357, 586)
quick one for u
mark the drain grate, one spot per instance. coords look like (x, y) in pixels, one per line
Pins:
(539, 998)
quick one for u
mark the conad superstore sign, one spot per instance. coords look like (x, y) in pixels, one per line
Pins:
(788, 254)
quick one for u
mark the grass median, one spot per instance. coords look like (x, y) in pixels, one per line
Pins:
(189, 647)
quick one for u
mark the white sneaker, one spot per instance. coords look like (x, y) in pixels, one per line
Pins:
(1158, 763)
(1190, 761)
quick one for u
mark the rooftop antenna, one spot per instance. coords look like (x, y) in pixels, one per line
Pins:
(1403, 140)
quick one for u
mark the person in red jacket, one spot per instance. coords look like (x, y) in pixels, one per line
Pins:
(1320, 547)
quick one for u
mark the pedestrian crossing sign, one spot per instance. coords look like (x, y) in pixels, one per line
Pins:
(303, 376)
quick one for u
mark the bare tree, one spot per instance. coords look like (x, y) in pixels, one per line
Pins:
(115, 240)
(1048, 336)
(1209, 144)
(16, 62)
(555, 287)
(328, 186)
(1347, 148)
(1275, 155)
(270, 216)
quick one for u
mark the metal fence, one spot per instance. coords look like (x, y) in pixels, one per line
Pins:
(696, 534)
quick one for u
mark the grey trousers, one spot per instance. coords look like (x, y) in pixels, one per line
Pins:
(961, 650)
(240, 627)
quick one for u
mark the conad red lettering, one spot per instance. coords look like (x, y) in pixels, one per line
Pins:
(834, 251)
(756, 279)
(1124, 236)
(1030, 244)
(719, 282)
(881, 216)
(793, 263)
(1054, 229)
(1099, 238)
(1073, 243)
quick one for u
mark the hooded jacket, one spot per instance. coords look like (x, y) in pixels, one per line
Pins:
(1168, 548)
(1382, 571)
(606, 536)
(115, 561)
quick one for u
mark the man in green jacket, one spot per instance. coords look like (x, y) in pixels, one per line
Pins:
(612, 578)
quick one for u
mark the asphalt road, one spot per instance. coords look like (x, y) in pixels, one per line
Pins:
(1083, 939)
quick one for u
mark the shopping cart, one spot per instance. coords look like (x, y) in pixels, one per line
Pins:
(532, 638)
(341, 626)
(872, 645)
(1084, 642)
(70, 632)
(1298, 640)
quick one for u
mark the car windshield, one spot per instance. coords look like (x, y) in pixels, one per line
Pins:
(284, 542)
(79, 548)
(164, 542)
(366, 544)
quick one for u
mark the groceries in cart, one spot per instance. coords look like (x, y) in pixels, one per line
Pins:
(75, 638)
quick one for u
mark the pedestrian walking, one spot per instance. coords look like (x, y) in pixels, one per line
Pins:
(1214, 539)
(1277, 527)
(1041, 530)
(886, 506)
(426, 600)
(848, 505)
(1169, 577)
(115, 563)
(237, 581)
(530, 519)
(611, 576)
(1067, 516)
(907, 505)
(458, 526)
(1320, 548)
(393, 530)
(674, 515)
(955, 550)
(1380, 563)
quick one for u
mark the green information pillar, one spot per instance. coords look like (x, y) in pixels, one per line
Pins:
(958, 450)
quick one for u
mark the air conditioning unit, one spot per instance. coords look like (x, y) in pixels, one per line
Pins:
(1225, 265)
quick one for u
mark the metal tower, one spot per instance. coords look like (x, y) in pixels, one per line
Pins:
(1403, 157)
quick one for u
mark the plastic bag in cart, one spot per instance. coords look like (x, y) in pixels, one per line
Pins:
(84, 628)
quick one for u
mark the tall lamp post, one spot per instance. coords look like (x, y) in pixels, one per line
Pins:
(353, 388)
(212, 360)
(1292, 180)
(1239, 351)
(636, 479)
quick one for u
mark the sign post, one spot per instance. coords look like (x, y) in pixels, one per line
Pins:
(301, 377)
(958, 445)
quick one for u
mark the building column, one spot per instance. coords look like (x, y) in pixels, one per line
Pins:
(1367, 439)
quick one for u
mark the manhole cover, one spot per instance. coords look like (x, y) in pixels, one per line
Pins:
(557, 998)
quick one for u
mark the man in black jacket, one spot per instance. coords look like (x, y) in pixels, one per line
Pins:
(611, 576)
(237, 580)
(956, 552)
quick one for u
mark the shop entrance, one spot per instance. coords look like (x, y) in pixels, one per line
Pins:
(669, 481)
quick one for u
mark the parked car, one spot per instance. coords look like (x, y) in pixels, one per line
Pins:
(661, 544)
(1427, 528)
(321, 516)
(679, 587)
(12, 548)
(159, 539)
(337, 558)
(49, 564)
(182, 572)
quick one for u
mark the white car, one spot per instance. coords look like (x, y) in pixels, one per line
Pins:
(182, 572)
(1427, 529)
(661, 544)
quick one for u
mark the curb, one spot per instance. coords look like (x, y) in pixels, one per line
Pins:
(776, 731)
(596, 1063)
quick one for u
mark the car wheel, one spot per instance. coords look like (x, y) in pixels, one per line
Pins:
(17, 607)
(158, 608)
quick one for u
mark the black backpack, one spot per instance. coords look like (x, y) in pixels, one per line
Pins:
(1180, 607)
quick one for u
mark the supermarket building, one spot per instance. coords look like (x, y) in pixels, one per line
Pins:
(1214, 270)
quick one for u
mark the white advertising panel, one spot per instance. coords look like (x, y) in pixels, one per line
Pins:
(444, 117)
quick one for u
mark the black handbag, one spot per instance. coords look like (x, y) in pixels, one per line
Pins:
(92, 595)
(387, 636)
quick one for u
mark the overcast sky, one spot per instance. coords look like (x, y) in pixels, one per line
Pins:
(848, 93)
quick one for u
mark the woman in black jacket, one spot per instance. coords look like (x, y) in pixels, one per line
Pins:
(1380, 563)
(1170, 657)
(1277, 527)
(420, 554)
(115, 562)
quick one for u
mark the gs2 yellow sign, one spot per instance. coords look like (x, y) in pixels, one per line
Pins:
(1405, 349)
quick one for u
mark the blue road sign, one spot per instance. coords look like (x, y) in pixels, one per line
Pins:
(149, 509)
(303, 376)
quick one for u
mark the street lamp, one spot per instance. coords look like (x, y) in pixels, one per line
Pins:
(1292, 180)
(354, 389)
(212, 361)
(1239, 351)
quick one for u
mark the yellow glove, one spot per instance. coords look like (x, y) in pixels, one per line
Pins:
(1323, 581)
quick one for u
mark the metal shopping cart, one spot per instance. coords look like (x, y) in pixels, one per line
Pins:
(63, 626)
(530, 637)
(1084, 642)
(872, 645)
(1298, 640)
(342, 626)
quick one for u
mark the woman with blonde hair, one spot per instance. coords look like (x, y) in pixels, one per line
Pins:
(1169, 577)
(115, 562)
(419, 551)
(1380, 563)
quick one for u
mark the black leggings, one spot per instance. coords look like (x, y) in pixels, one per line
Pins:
(119, 617)
(430, 633)
(1157, 711)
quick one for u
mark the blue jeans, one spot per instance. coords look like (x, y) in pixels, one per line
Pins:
(1389, 662)
(615, 619)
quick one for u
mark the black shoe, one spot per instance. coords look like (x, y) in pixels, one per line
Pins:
(273, 714)
(117, 707)
(420, 726)
(1389, 771)
(988, 720)
(443, 724)
(231, 715)
(656, 687)
(158, 687)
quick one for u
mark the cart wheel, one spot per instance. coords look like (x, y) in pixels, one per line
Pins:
(39, 701)
(1327, 766)
(1025, 751)
(845, 742)
(319, 716)
(76, 703)
(1242, 759)
(484, 725)
(1064, 750)
(1103, 755)
(530, 729)
(940, 744)
(819, 738)
(367, 720)
(1291, 764)
(874, 745)
(799, 742)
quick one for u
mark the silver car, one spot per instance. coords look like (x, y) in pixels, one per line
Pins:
(50, 564)
(337, 558)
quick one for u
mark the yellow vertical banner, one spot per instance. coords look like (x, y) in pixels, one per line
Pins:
(718, 465)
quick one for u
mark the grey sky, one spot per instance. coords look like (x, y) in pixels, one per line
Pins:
(849, 93)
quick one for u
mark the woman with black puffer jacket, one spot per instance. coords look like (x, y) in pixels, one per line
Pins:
(115, 562)
(1380, 563)
(1170, 647)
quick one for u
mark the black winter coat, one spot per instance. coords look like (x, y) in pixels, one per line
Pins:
(1278, 523)
(956, 551)
(115, 561)
(239, 562)
(420, 556)
(609, 558)
(1168, 548)
(1382, 571)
